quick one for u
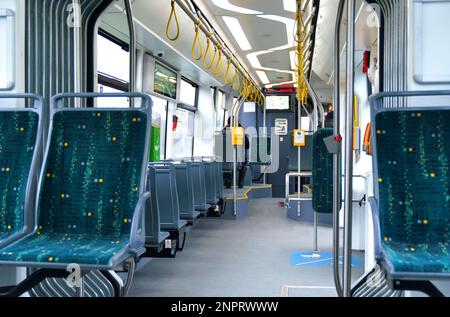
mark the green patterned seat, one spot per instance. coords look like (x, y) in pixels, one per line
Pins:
(413, 179)
(90, 190)
(322, 173)
(18, 141)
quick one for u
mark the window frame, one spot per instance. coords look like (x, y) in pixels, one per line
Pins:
(184, 105)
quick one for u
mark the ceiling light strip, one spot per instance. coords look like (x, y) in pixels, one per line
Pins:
(238, 32)
(227, 52)
(226, 5)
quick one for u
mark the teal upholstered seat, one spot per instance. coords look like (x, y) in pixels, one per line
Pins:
(18, 137)
(90, 190)
(322, 173)
(413, 179)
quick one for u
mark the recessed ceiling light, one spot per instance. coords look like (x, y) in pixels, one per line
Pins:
(263, 76)
(236, 29)
(226, 5)
(290, 5)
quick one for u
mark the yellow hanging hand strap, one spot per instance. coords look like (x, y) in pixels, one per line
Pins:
(219, 68)
(208, 52)
(173, 16)
(197, 40)
(237, 80)
(228, 78)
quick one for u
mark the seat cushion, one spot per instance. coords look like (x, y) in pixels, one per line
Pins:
(18, 134)
(64, 249)
(422, 258)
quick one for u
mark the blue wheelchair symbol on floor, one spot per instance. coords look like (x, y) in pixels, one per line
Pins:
(320, 259)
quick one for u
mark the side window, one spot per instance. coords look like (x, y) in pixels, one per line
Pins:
(159, 129)
(113, 65)
(220, 110)
(183, 133)
(188, 93)
(7, 49)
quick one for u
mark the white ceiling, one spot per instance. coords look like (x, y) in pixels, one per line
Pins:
(263, 34)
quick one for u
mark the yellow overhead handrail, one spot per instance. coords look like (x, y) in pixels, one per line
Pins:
(197, 40)
(173, 15)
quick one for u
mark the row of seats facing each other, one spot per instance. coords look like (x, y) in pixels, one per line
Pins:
(183, 191)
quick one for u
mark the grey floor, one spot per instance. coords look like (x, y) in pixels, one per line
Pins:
(251, 258)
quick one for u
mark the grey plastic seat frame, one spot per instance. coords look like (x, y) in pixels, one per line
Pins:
(185, 189)
(154, 237)
(36, 102)
(168, 201)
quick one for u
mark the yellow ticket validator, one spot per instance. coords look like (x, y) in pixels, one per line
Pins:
(299, 138)
(237, 136)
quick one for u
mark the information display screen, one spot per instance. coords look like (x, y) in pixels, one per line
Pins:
(278, 103)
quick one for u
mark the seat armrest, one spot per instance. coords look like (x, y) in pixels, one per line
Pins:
(137, 236)
(376, 226)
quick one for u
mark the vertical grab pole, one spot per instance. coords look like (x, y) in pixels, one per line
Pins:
(348, 190)
(77, 49)
(299, 179)
(337, 197)
(265, 136)
(132, 28)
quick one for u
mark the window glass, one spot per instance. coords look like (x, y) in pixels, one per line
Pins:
(220, 110)
(165, 81)
(112, 59)
(183, 134)
(159, 124)
(188, 93)
(111, 102)
(3, 52)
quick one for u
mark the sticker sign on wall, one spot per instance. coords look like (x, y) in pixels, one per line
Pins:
(281, 126)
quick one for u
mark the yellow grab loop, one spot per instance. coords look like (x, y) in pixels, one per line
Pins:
(236, 80)
(208, 53)
(219, 68)
(228, 76)
(197, 40)
(173, 17)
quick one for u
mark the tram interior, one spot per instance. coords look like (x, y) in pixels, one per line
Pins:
(224, 148)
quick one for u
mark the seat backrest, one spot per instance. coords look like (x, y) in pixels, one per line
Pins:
(198, 176)
(93, 172)
(167, 195)
(152, 218)
(219, 180)
(185, 188)
(210, 182)
(306, 156)
(322, 172)
(19, 152)
(412, 177)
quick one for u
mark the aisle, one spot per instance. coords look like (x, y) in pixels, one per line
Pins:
(251, 258)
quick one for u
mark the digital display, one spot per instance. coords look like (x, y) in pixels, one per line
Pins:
(278, 103)
(165, 81)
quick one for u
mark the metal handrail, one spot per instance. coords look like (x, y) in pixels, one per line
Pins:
(337, 158)
(132, 30)
(348, 189)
